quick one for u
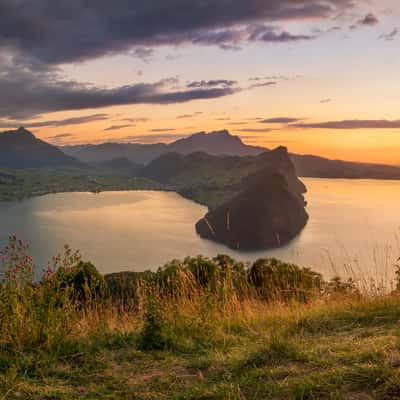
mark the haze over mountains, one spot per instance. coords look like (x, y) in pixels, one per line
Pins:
(223, 143)
(214, 143)
(21, 149)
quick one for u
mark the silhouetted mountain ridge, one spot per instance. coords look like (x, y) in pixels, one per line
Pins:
(214, 143)
(21, 149)
(223, 143)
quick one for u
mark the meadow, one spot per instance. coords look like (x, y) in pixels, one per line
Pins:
(197, 328)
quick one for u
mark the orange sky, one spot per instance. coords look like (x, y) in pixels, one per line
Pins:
(332, 68)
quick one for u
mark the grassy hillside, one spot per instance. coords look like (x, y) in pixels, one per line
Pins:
(212, 180)
(196, 329)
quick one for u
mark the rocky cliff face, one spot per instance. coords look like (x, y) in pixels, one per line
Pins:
(268, 213)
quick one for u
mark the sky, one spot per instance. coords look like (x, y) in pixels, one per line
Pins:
(318, 76)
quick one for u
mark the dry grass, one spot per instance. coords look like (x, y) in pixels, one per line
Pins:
(192, 331)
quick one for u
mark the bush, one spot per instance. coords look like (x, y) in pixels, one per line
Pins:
(276, 280)
(83, 281)
(153, 335)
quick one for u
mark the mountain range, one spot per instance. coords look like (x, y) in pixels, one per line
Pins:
(223, 143)
(254, 201)
(21, 149)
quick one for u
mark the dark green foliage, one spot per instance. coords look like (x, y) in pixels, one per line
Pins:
(123, 287)
(276, 280)
(153, 336)
(265, 279)
(83, 280)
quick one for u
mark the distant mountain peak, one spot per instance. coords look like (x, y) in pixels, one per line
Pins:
(21, 149)
(20, 132)
(214, 143)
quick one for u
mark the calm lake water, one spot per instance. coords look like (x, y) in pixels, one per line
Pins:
(353, 228)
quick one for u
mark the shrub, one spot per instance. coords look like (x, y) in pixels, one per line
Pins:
(153, 335)
(83, 281)
(276, 280)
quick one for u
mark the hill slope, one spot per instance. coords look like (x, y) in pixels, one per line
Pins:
(211, 180)
(214, 143)
(223, 143)
(254, 202)
(95, 153)
(21, 149)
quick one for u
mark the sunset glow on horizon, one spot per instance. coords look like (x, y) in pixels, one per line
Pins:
(319, 77)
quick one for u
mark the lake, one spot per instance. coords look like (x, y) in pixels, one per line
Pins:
(353, 228)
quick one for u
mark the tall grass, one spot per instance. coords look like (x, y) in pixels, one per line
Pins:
(185, 306)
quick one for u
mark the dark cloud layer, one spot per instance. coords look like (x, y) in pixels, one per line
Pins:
(212, 83)
(36, 37)
(25, 93)
(353, 124)
(55, 32)
(55, 123)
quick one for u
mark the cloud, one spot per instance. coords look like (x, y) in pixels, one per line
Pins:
(262, 33)
(264, 84)
(134, 120)
(369, 20)
(352, 124)
(163, 130)
(143, 53)
(238, 123)
(185, 116)
(273, 78)
(25, 93)
(118, 127)
(389, 36)
(61, 136)
(74, 31)
(212, 83)
(325, 101)
(280, 120)
(55, 123)
(254, 130)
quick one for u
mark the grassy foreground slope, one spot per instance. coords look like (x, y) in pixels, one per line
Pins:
(196, 329)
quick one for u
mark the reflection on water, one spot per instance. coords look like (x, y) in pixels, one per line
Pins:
(353, 227)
